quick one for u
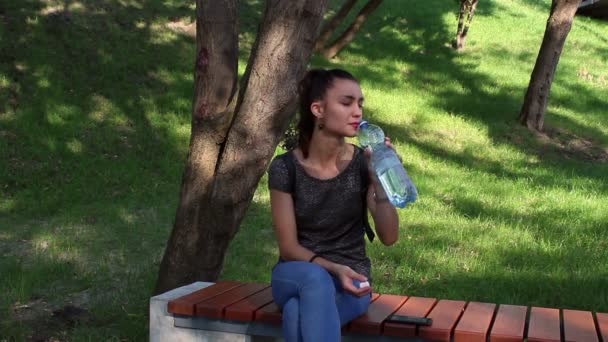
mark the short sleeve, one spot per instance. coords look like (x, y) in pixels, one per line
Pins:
(278, 175)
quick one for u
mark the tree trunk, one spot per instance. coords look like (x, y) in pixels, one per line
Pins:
(351, 31)
(467, 9)
(233, 140)
(559, 24)
(461, 16)
(462, 39)
(332, 24)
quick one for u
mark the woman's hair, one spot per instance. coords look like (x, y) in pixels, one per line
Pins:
(313, 87)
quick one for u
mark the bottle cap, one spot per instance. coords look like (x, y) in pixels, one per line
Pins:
(363, 124)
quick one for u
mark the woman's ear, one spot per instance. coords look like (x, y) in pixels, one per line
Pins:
(317, 109)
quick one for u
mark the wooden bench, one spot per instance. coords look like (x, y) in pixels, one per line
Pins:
(248, 308)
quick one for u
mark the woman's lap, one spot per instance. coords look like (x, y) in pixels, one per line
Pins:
(299, 278)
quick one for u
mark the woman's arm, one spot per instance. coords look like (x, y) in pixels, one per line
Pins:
(384, 214)
(284, 222)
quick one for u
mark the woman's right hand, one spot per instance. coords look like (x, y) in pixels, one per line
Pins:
(346, 275)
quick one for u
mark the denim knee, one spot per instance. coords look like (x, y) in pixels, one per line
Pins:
(297, 278)
(351, 307)
(361, 304)
(317, 277)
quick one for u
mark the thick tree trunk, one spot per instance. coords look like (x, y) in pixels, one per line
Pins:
(215, 81)
(348, 35)
(559, 24)
(230, 152)
(332, 24)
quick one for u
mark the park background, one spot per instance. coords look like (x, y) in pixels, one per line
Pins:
(95, 110)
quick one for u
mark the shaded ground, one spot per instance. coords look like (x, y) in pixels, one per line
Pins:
(571, 145)
(50, 322)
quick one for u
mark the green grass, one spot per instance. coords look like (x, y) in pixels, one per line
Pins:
(94, 130)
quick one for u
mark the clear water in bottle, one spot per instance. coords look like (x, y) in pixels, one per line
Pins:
(388, 168)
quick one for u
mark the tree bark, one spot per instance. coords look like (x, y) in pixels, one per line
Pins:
(332, 24)
(532, 113)
(233, 138)
(467, 9)
(349, 34)
(461, 16)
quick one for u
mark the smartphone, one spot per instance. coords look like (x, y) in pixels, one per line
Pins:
(410, 320)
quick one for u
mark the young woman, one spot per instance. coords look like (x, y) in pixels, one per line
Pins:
(319, 194)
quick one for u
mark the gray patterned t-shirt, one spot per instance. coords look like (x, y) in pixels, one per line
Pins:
(328, 212)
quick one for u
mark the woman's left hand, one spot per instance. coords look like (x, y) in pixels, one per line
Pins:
(346, 276)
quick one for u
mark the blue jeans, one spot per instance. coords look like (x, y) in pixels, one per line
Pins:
(314, 304)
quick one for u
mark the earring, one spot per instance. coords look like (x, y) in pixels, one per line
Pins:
(321, 126)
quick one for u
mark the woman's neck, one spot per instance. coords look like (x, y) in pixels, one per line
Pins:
(325, 151)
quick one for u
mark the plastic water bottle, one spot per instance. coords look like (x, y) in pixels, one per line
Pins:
(388, 168)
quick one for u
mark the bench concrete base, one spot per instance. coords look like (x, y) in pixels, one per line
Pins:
(165, 326)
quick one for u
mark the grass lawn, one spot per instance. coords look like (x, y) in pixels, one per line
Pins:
(94, 130)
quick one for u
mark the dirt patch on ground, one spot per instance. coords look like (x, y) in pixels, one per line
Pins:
(52, 322)
(18, 249)
(571, 145)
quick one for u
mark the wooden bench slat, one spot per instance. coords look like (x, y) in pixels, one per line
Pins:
(509, 324)
(602, 322)
(414, 306)
(214, 307)
(378, 311)
(579, 326)
(445, 315)
(544, 325)
(475, 322)
(244, 310)
(186, 305)
(269, 313)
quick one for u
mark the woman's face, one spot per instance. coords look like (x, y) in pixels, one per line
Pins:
(342, 108)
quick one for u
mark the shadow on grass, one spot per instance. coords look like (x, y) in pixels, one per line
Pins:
(95, 102)
(84, 80)
(483, 99)
(99, 98)
(568, 275)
